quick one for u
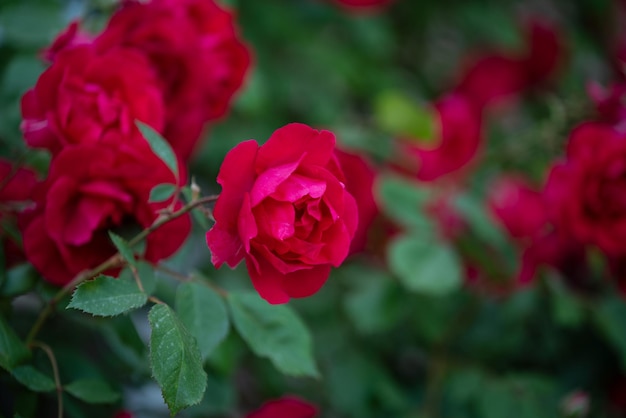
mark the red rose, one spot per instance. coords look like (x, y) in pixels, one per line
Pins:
(285, 407)
(519, 208)
(361, 5)
(459, 139)
(91, 189)
(195, 49)
(284, 208)
(586, 192)
(610, 103)
(16, 188)
(360, 177)
(69, 38)
(86, 97)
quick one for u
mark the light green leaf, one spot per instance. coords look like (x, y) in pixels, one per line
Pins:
(146, 274)
(275, 332)
(204, 314)
(33, 379)
(162, 192)
(404, 201)
(92, 391)
(123, 247)
(175, 360)
(425, 265)
(12, 350)
(107, 296)
(160, 147)
(402, 116)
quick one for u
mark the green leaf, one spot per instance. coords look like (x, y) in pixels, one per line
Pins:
(175, 360)
(204, 314)
(275, 332)
(162, 192)
(610, 317)
(33, 379)
(425, 265)
(402, 116)
(12, 350)
(160, 147)
(404, 201)
(107, 296)
(123, 247)
(146, 275)
(92, 391)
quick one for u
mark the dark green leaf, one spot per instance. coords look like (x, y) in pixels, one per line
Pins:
(204, 314)
(160, 147)
(33, 379)
(425, 265)
(123, 247)
(19, 280)
(12, 350)
(162, 192)
(610, 316)
(92, 391)
(175, 360)
(107, 296)
(275, 332)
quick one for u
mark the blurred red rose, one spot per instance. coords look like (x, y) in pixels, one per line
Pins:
(610, 103)
(90, 190)
(285, 407)
(518, 207)
(123, 414)
(498, 76)
(360, 176)
(459, 140)
(586, 192)
(199, 58)
(16, 188)
(86, 97)
(283, 207)
(363, 5)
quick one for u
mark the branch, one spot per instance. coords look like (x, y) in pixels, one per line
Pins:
(115, 260)
(55, 371)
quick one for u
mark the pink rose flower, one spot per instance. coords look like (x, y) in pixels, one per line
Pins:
(198, 56)
(284, 208)
(91, 189)
(285, 407)
(87, 97)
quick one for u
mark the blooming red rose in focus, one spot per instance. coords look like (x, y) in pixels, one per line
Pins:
(586, 192)
(360, 177)
(284, 208)
(460, 138)
(87, 97)
(285, 407)
(195, 49)
(16, 188)
(91, 189)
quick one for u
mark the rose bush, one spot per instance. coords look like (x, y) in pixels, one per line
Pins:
(284, 208)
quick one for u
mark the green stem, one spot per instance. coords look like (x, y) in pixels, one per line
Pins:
(115, 260)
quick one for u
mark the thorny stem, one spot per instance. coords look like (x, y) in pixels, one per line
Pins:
(55, 371)
(115, 260)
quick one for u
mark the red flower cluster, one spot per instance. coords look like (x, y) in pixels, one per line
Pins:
(173, 65)
(285, 407)
(284, 208)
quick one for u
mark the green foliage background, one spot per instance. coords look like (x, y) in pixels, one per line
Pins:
(385, 344)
